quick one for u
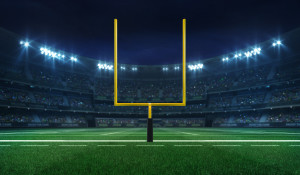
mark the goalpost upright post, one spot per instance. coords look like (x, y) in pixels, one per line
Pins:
(150, 121)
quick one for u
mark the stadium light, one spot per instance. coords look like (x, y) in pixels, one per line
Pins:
(53, 54)
(134, 69)
(195, 67)
(277, 43)
(235, 56)
(105, 66)
(73, 59)
(123, 68)
(26, 44)
(176, 67)
(165, 69)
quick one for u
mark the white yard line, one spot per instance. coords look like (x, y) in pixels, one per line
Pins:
(265, 145)
(294, 145)
(227, 145)
(237, 141)
(150, 145)
(111, 133)
(188, 133)
(35, 145)
(188, 145)
(112, 145)
(20, 133)
(73, 145)
(4, 145)
(87, 141)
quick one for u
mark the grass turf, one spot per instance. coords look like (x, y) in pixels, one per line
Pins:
(155, 158)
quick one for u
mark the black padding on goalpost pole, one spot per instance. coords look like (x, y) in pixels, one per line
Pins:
(150, 130)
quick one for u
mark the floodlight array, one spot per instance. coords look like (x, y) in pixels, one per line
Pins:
(134, 69)
(165, 68)
(74, 59)
(25, 43)
(50, 53)
(247, 54)
(195, 67)
(105, 66)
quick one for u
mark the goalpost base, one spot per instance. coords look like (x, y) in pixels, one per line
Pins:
(150, 130)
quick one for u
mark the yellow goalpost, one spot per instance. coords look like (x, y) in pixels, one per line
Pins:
(150, 127)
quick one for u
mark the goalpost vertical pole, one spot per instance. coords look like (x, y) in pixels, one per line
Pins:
(184, 61)
(150, 125)
(115, 62)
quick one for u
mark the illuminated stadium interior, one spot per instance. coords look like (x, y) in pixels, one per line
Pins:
(57, 114)
(48, 87)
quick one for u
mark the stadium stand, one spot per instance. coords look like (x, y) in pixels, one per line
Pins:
(260, 91)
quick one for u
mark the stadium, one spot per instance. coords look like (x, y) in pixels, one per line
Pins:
(58, 116)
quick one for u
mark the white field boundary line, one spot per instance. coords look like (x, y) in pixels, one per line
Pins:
(228, 145)
(212, 141)
(265, 145)
(34, 145)
(294, 145)
(4, 145)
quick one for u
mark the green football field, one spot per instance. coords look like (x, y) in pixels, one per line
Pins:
(174, 151)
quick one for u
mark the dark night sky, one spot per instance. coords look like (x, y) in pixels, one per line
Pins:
(149, 31)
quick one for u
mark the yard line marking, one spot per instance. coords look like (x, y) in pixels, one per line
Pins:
(188, 133)
(212, 141)
(4, 145)
(188, 145)
(226, 145)
(35, 145)
(265, 145)
(294, 145)
(229, 141)
(19, 133)
(151, 145)
(72, 145)
(73, 141)
(111, 145)
(111, 133)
